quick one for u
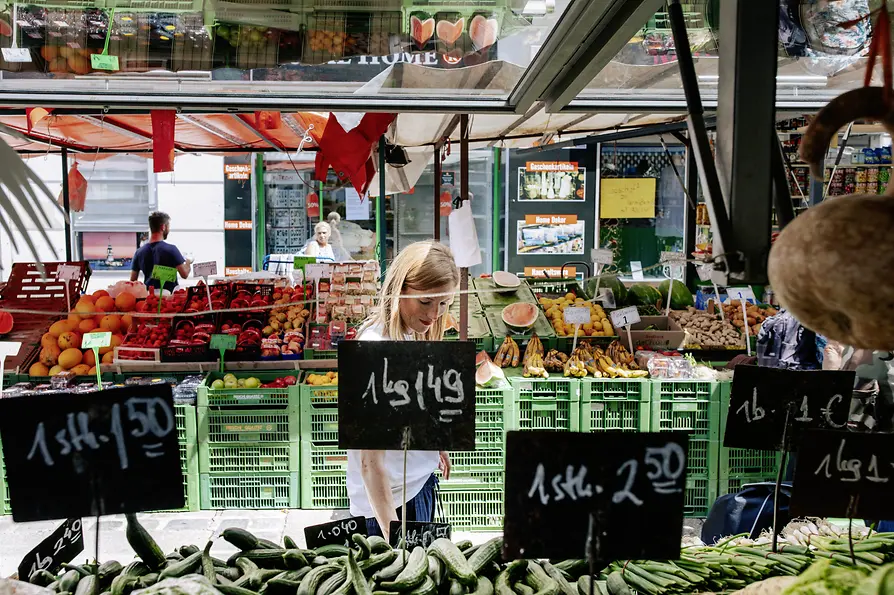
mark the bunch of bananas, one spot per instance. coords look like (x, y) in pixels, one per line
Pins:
(533, 360)
(618, 353)
(508, 354)
(575, 368)
(555, 361)
(590, 359)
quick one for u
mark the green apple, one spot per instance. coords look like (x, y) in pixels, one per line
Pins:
(217, 384)
(230, 384)
(240, 383)
(252, 382)
(229, 377)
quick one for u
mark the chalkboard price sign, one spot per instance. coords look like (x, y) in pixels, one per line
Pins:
(423, 391)
(109, 452)
(60, 547)
(844, 474)
(631, 484)
(762, 398)
(421, 534)
(336, 532)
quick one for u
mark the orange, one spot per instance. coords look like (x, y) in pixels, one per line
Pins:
(125, 302)
(81, 370)
(92, 371)
(100, 293)
(48, 340)
(85, 309)
(59, 327)
(111, 323)
(116, 341)
(38, 369)
(87, 325)
(87, 298)
(70, 358)
(108, 358)
(126, 323)
(55, 370)
(105, 304)
(89, 357)
(69, 340)
(49, 355)
(74, 319)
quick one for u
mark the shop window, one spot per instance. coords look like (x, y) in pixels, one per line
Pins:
(120, 195)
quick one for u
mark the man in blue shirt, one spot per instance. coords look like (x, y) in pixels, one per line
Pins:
(158, 252)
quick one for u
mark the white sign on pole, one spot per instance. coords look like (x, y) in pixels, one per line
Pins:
(744, 294)
(602, 256)
(68, 272)
(316, 271)
(625, 317)
(636, 270)
(356, 206)
(577, 315)
(204, 269)
(16, 54)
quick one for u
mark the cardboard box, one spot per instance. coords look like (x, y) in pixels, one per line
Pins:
(668, 336)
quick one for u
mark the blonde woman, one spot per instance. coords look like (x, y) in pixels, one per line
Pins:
(413, 303)
(319, 245)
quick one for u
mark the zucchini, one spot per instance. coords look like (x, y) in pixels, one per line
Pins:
(312, 579)
(436, 570)
(136, 568)
(540, 581)
(428, 587)
(377, 561)
(575, 568)
(147, 580)
(208, 570)
(142, 543)
(188, 550)
(280, 586)
(484, 555)
(174, 557)
(355, 575)
(332, 551)
(220, 579)
(289, 543)
(464, 545)
(69, 581)
(331, 584)
(413, 575)
(294, 559)
(266, 558)
(392, 570)
(554, 573)
(378, 544)
(616, 584)
(456, 563)
(82, 570)
(88, 585)
(522, 589)
(234, 590)
(455, 588)
(123, 584)
(266, 544)
(240, 538)
(233, 574)
(364, 549)
(319, 561)
(503, 584)
(485, 587)
(184, 567)
(41, 578)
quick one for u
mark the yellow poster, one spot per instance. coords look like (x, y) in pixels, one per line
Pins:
(627, 198)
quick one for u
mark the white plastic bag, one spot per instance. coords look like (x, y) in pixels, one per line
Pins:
(464, 237)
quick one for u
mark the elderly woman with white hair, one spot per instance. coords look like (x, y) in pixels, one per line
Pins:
(319, 246)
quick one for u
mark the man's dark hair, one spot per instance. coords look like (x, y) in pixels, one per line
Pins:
(157, 221)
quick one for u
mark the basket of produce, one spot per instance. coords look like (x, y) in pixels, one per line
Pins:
(189, 342)
(707, 331)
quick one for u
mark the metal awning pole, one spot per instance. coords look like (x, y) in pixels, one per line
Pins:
(381, 223)
(464, 195)
(66, 206)
(437, 191)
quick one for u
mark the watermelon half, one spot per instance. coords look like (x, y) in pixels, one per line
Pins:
(641, 294)
(6, 323)
(680, 298)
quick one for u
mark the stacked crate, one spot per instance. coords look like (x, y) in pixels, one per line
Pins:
(740, 466)
(546, 404)
(187, 438)
(473, 496)
(324, 465)
(615, 404)
(248, 445)
(692, 406)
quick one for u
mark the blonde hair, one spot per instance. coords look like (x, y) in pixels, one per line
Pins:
(322, 225)
(423, 266)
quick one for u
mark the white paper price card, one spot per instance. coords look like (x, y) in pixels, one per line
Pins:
(577, 315)
(704, 271)
(315, 272)
(741, 294)
(602, 256)
(9, 348)
(68, 272)
(636, 270)
(671, 257)
(96, 340)
(205, 269)
(625, 317)
(16, 54)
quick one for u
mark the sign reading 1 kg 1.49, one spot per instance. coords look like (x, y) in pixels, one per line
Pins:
(414, 394)
(119, 446)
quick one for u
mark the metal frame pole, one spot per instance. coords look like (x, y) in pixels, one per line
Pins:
(495, 212)
(66, 205)
(381, 222)
(690, 225)
(437, 187)
(464, 195)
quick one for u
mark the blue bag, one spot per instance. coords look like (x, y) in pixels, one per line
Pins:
(750, 510)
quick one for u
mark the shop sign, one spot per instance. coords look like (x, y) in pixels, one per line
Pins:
(119, 446)
(601, 490)
(237, 171)
(233, 271)
(313, 205)
(238, 225)
(550, 219)
(551, 272)
(418, 395)
(447, 178)
(771, 408)
(559, 166)
(446, 204)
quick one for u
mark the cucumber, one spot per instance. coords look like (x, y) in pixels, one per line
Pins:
(136, 568)
(124, 584)
(554, 573)
(413, 575)
(331, 584)
(268, 558)
(294, 559)
(464, 545)
(456, 563)
(279, 586)
(82, 570)
(184, 567)
(289, 543)
(436, 570)
(255, 579)
(471, 551)
(294, 576)
(522, 589)
(456, 588)
(233, 590)
(69, 581)
(54, 586)
(485, 587)
(108, 571)
(377, 561)
(540, 581)
(315, 577)
(428, 587)
(208, 570)
(364, 549)
(266, 544)
(378, 544)
(575, 568)
(503, 584)
(391, 571)
(332, 551)
(233, 574)
(220, 579)
(88, 585)
(174, 557)
(616, 584)
(486, 554)
(41, 578)
(142, 543)
(240, 538)
(319, 560)
(147, 580)
(355, 575)
(188, 550)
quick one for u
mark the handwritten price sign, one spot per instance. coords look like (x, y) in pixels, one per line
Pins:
(60, 547)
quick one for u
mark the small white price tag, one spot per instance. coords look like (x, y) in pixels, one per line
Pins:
(741, 294)
(577, 315)
(636, 270)
(625, 317)
(671, 257)
(204, 269)
(96, 340)
(315, 272)
(9, 348)
(704, 271)
(602, 256)
(16, 54)
(68, 272)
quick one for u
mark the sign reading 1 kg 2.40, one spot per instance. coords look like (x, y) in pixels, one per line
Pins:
(414, 394)
(119, 446)
(767, 402)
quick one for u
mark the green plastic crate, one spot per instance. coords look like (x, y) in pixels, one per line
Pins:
(187, 437)
(319, 414)
(321, 354)
(742, 465)
(611, 404)
(493, 411)
(232, 426)
(473, 509)
(257, 457)
(479, 332)
(242, 397)
(702, 457)
(323, 483)
(686, 405)
(701, 491)
(241, 492)
(546, 404)
(499, 330)
(490, 298)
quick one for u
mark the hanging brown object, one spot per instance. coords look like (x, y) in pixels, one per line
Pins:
(77, 190)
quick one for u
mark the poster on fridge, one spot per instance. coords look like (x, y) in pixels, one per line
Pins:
(550, 234)
(552, 181)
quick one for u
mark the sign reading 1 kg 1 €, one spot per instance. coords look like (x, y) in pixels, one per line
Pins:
(414, 394)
